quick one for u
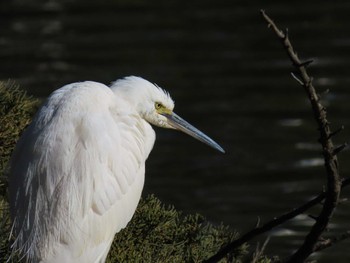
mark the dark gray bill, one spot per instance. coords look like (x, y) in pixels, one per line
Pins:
(180, 124)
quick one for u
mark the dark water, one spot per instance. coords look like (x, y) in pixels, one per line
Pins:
(228, 75)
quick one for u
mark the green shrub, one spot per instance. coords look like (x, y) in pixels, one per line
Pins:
(161, 234)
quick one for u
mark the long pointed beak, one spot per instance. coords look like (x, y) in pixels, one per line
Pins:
(178, 123)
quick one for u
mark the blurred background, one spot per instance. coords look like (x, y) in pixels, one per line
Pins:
(228, 75)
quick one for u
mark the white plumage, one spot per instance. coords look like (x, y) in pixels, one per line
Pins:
(77, 173)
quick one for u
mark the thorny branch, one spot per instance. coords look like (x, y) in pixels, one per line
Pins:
(312, 241)
(328, 149)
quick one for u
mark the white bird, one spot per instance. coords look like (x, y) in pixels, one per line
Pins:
(77, 173)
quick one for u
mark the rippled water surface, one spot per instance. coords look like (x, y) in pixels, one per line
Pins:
(229, 77)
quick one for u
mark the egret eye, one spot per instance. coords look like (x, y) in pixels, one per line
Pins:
(158, 106)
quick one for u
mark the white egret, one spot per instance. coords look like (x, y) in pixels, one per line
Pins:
(77, 172)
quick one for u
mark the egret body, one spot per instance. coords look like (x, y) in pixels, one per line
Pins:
(77, 172)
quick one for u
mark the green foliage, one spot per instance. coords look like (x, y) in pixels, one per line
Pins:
(161, 234)
(16, 110)
(5, 227)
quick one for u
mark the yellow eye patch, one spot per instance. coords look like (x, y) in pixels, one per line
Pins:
(161, 109)
(158, 106)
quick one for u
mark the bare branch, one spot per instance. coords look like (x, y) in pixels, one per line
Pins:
(297, 79)
(306, 63)
(329, 153)
(259, 251)
(331, 194)
(340, 148)
(326, 243)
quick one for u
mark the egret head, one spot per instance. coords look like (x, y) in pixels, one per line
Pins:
(156, 106)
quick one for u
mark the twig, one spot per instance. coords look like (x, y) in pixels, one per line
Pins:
(339, 148)
(337, 131)
(258, 253)
(321, 245)
(330, 157)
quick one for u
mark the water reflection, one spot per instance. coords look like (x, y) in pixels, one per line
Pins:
(228, 76)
